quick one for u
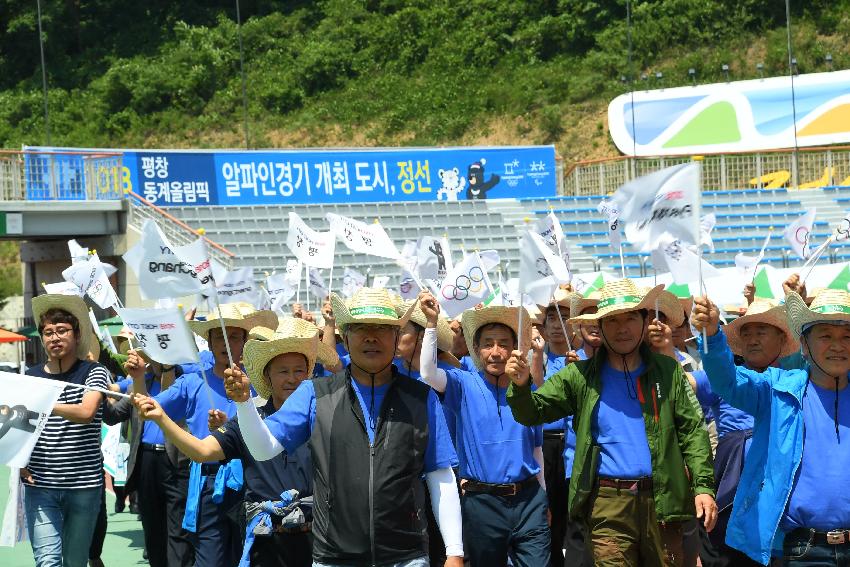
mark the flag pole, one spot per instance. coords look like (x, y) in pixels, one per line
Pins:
(761, 253)
(201, 233)
(812, 262)
(622, 262)
(519, 324)
(201, 365)
(96, 389)
(563, 326)
(307, 284)
(484, 272)
(699, 159)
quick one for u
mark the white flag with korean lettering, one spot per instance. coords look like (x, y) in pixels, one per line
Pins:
(352, 280)
(612, 213)
(161, 272)
(197, 256)
(311, 247)
(280, 290)
(358, 236)
(799, 232)
(90, 279)
(162, 334)
(25, 404)
(464, 287)
(663, 201)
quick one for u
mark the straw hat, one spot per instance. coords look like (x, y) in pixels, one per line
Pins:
(828, 306)
(669, 305)
(240, 315)
(293, 335)
(444, 332)
(74, 305)
(620, 296)
(761, 311)
(368, 305)
(579, 303)
(474, 319)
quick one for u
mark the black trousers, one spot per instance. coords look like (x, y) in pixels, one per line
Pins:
(219, 536)
(556, 493)
(161, 492)
(99, 535)
(282, 550)
(495, 527)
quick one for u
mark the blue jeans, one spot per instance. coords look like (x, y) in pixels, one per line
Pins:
(800, 551)
(420, 562)
(61, 523)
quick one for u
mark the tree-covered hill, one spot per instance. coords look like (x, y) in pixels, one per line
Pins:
(377, 72)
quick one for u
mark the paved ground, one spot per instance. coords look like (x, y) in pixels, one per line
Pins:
(123, 545)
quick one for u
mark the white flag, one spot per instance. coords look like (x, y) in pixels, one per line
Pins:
(25, 404)
(799, 232)
(317, 285)
(197, 256)
(280, 290)
(358, 236)
(162, 334)
(90, 279)
(682, 263)
(612, 213)
(537, 263)
(433, 258)
(236, 285)
(63, 288)
(550, 231)
(842, 231)
(293, 272)
(747, 265)
(352, 280)
(663, 201)
(162, 274)
(706, 225)
(78, 253)
(312, 248)
(408, 288)
(464, 287)
(380, 282)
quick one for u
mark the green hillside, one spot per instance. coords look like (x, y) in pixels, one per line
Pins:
(377, 72)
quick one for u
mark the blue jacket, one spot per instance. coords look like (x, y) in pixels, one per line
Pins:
(775, 399)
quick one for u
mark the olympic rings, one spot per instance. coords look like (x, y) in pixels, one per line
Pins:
(471, 282)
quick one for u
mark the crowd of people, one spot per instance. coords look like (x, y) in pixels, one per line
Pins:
(626, 427)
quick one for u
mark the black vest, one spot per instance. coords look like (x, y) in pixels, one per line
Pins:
(369, 500)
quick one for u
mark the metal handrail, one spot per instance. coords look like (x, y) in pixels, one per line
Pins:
(178, 232)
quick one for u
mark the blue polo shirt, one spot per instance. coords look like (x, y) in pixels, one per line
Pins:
(492, 447)
(151, 433)
(467, 364)
(451, 419)
(292, 424)
(207, 362)
(819, 498)
(554, 363)
(187, 399)
(618, 427)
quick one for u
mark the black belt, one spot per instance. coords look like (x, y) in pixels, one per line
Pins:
(156, 447)
(832, 537)
(210, 468)
(635, 485)
(507, 489)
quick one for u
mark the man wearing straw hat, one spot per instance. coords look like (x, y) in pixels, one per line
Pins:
(761, 337)
(200, 399)
(276, 363)
(64, 478)
(793, 489)
(504, 501)
(372, 433)
(637, 429)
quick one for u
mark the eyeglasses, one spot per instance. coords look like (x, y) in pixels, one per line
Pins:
(361, 328)
(60, 332)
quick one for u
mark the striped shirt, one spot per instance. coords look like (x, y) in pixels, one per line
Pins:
(67, 455)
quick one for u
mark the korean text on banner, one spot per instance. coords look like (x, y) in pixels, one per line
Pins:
(162, 334)
(313, 248)
(25, 404)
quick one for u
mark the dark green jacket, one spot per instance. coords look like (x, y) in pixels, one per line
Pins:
(674, 428)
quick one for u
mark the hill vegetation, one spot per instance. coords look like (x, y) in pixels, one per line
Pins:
(378, 72)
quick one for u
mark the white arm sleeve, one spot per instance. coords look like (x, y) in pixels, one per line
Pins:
(445, 503)
(433, 376)
(255, 433)
(538, 456)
